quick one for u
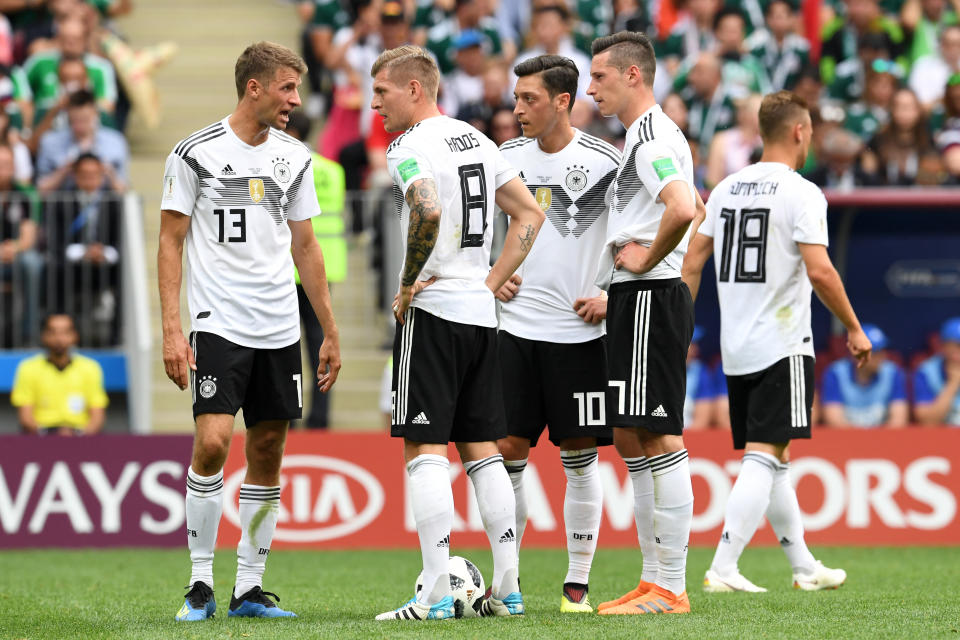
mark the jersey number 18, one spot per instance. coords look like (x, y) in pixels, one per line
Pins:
(751, 245)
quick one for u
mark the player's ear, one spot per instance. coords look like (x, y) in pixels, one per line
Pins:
(253, 87)
(563, 101)
(415, 88)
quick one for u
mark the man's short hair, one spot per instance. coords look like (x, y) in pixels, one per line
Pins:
(559, 9)
(45, 323)
(779, 112)
(559, 74)
(260, 62)
(409, 62)
(726, 12)
(629, 48)
(81, 98)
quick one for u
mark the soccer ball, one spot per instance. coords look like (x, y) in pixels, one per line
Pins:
(466, 585)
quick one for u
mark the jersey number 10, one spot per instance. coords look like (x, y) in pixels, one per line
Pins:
(751, 263)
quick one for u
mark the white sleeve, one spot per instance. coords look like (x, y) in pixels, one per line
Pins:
(180, 186)
(657, 166)
(710, 222)
(810, 217)
(304, 205)
(505, 171)
(407, 165)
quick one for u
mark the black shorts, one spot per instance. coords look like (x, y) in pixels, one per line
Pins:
(557, 384)
(772, 405)
(446, 381)
(649, 327)
(266, 383)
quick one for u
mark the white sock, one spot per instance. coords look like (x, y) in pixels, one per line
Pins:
(745, 508)
(784, 516)
(498, 512)
(259, 508)
(642, 481)
(515, 471)
(204, 501)
(432, 500)
(582, 508)
(672, 515)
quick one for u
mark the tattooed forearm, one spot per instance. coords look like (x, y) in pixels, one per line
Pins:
(526, 239)
(425, 211)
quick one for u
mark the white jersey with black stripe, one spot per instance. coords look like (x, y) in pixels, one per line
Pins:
(574, 188)
(239, 198)
(655, 154)
(756, 217)
(467, 169)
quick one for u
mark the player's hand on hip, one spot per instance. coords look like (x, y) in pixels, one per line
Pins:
(591, 310)
(178, 359)
(859, 346)
(632, 257)
(401, 301)
(330, 363)
(509, 288)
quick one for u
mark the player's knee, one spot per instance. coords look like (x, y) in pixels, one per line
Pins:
(512, 448)
(266, 446)
(210, 451)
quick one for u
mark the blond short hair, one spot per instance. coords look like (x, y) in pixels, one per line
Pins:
(779, 112)
(409, 62)
(261, 61)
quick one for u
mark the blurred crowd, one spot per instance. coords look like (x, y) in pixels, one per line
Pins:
(882, 76)
(63, 164)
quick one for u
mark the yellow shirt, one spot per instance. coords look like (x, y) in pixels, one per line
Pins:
(59, 398)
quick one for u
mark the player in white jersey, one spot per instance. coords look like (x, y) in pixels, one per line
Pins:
(767, 226)
(446, 376)
(551, 346)
(240, 194)
(649, 317)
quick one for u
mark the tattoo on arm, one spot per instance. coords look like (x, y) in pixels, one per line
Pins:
(425, 211)
(526, 239)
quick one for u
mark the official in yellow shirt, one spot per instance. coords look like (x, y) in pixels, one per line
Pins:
(58, 391)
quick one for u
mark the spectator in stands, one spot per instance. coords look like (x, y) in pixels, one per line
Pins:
(72, 41)
(550, 33)
(839, 162)
(742, 73)
(945, 123)
(866, 117)
(22, 162)
(503, 126)
(59, 392)
(16, 99)
(692, 34)
(782, 52)
(875, 395)
(467, 14)
(60, 148)
(849, 78)
(930, 73)
(83, 245)
(21, 265)
(710, 105)
(631, 15)
(936, 382)
(676, 109)
(840, 36)
(923, 21)
(735, 148)
(698, 404)
(323, 18)
(464, 85)
(894, 153)
(330, 186)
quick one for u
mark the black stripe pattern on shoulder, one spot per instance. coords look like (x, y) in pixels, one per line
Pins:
(285, 137)
(645, 131)
(188, 145)
(396, 142)
(613, 156)
(599, 142)
(195, 135)
(513, 143)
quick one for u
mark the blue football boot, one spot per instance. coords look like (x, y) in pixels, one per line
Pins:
(198, 604)
(256, 604)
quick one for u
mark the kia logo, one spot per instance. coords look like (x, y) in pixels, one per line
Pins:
(311, 499)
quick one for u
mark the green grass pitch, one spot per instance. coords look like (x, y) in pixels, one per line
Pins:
(890, 593)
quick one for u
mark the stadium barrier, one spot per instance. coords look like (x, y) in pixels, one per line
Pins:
(342, 490)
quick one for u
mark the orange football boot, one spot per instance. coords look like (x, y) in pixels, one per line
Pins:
(641, 589)
(657, 600)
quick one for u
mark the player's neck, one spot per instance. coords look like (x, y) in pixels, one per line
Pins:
(636, 108)
(246, 127)
(772, 153)
(557, 138)
(428, 110)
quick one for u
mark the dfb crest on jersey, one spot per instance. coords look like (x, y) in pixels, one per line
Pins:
(208, 386)
(576, 179)
(281, 170)
(256, 189)
(544, 197)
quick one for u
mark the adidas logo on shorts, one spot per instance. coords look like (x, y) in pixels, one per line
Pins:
(659, 412)
(421, 419)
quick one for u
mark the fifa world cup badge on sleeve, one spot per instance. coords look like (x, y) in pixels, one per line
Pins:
(664, 167)
(408, 168)
(169, 182)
